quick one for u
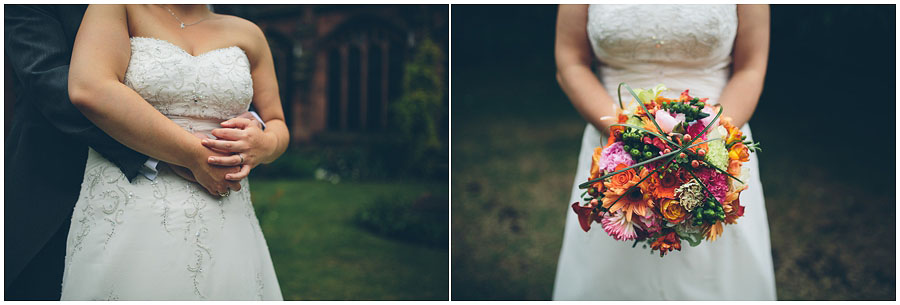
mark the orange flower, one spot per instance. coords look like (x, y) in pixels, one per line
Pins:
(734, 134)
(673, 211)
(615, 132)
(734, 168)
(739, 152)
(649, 125)
(586, 214)
(649, 184)
(713, 231)
(733, 195)
(618, 183)
(667, 243)
(733, 211)
(633, 202)
(694, 149)
(667, 185)
(653, 105)
(595, 159)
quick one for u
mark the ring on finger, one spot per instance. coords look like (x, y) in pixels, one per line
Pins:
(242, 158)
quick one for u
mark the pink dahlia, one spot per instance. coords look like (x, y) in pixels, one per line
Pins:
(716, 182)
(612, 156)
(616, 225)
(695, 128)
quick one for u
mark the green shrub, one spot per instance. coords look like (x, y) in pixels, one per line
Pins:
(419, 111)
(423, 220)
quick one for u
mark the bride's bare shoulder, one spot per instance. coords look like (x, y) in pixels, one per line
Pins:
(248, 35)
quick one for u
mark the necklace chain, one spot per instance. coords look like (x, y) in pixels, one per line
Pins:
(183, 25)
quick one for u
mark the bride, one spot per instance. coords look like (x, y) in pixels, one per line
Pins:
(150, 76)
(716, 51)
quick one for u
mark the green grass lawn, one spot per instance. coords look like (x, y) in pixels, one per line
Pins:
(320, 253)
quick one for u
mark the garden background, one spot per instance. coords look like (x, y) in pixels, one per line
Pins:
(358, 211)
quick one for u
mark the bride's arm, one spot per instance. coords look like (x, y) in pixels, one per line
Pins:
(573, 68)
(240, 136)
(751, 52)
(99, 59)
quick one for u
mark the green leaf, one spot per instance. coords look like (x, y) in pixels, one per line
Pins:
(652, 119)
(693, 239)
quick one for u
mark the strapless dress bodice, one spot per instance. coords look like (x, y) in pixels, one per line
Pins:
(215, 85)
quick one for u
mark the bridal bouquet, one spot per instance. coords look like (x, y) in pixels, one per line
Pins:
(668, 173)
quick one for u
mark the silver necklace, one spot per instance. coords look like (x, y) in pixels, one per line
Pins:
(182, 22)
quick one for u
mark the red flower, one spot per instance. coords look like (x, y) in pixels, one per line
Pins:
(659, 143)
(666, 243)
(586, 214)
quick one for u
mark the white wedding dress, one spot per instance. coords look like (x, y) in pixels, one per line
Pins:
(167, 238)
(683, 47)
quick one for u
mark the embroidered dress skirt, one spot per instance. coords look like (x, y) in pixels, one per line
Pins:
(166, 239)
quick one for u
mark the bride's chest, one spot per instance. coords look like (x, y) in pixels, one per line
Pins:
(676, 34)
(216, 84)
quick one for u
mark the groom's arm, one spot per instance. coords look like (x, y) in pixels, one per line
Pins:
(39, 53)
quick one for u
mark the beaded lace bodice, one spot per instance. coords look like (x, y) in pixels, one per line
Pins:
(212, 85)
(682, 46)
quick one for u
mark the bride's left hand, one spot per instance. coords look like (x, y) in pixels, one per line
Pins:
(244, 138)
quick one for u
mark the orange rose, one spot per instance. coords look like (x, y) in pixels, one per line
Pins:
(673, 211)
(620, 182)
(739, 152)
(734, 168)
(650, 183)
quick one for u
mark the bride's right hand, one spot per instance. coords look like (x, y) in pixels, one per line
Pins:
(211, 177)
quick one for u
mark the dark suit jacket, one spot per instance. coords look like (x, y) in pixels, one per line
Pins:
(47, 145)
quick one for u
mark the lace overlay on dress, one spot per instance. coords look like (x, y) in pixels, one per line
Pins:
(648, 44)
(213, 85)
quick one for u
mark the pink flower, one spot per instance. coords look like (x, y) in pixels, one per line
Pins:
(716, 182)
(616, 225)
(666, 121)
(612, 156)
(649, 223)
(694, 130)
(712, 114)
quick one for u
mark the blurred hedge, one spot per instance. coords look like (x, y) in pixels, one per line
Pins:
(423, 220)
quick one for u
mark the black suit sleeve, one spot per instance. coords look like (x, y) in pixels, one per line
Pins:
(39, 53)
